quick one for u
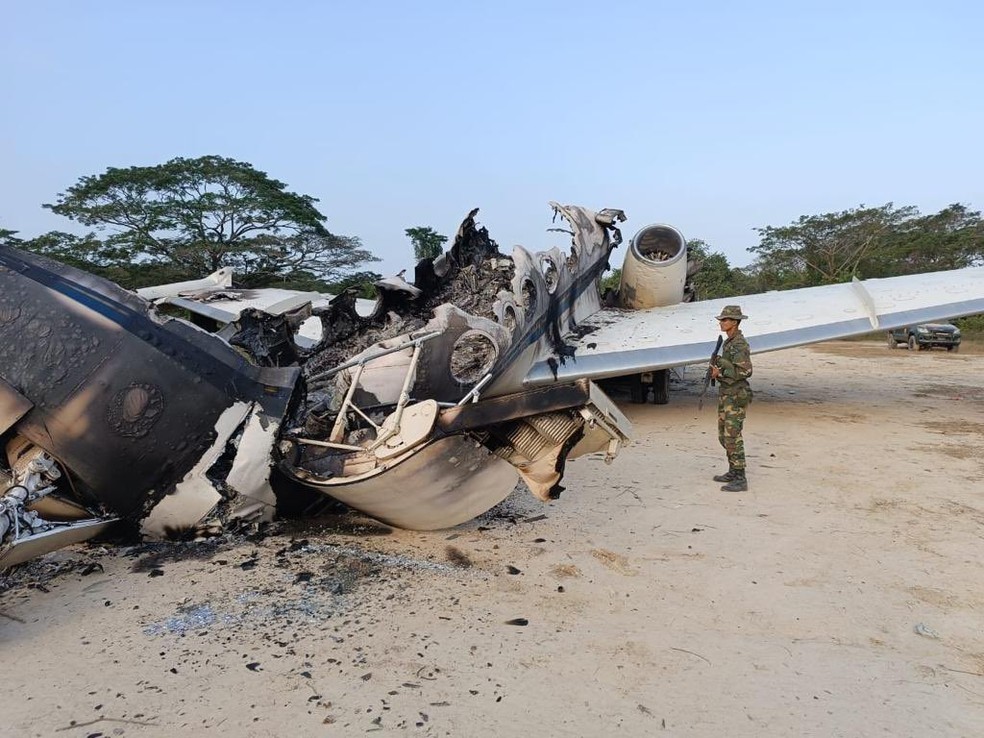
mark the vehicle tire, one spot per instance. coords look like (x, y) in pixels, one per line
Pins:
(912, 343)
(892, 343)
(955, 348)
(637, 390)
(661, 386)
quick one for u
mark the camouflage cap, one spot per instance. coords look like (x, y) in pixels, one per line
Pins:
(732, 312)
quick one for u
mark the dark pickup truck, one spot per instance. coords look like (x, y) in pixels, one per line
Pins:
(926, 336)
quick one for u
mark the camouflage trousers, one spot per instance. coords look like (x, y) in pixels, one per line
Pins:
(731, 419)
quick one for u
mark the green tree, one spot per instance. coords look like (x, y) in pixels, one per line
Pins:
(715, 277)
(866, 242)
(950, 239)
(194, 216)
(363, 281)
(827, 248)
(85, 252)
(9, 238)
(611, 281)
(102, 258)
(427, 243)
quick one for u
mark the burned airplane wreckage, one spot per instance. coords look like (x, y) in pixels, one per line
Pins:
(421, 409)
(416, 414)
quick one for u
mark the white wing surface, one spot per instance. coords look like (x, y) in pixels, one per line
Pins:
(620, 342)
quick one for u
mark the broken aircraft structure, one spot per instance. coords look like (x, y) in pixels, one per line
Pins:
(419, 409)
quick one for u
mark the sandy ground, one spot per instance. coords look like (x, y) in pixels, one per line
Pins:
(841, 596)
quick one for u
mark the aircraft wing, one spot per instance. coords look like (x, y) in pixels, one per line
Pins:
(620, 342)
(224, 305)
(218, 279)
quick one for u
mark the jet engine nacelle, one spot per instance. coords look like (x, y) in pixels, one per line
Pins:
(655, 270)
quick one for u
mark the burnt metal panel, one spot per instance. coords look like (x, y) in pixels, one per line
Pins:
(504, 408)
(13, 406)
(125, 399)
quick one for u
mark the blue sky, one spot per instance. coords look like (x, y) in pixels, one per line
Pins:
(717, 117)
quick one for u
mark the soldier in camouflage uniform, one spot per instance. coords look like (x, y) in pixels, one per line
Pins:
(731, 369)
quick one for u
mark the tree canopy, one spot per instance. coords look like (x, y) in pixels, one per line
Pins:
(189, 217)
(862, 242)
(363, 282)
(9, 237)
(866, 242)
(715, 278)
(427, 243)
(950, 239)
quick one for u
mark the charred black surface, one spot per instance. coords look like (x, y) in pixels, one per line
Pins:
(395, 296)
(425, 277)
(561, 464)
(507, 407)
(294, 500)
(341, 329)
(469, 276)
(13, 407)
(126, 401)
(269, 339)
(565, 304)
(435, 374)
(472, 245)
(129, 401)
(552, 363)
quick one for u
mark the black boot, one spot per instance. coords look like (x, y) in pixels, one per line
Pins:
(738, 482)
(727, 476)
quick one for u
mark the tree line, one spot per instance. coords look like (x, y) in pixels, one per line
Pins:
(186, 218)
(862, 242)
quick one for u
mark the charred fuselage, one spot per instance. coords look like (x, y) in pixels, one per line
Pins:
(415, 413)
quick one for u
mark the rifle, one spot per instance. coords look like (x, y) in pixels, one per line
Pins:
(708, 379)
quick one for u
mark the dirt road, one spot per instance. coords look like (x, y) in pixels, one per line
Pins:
(841, 596)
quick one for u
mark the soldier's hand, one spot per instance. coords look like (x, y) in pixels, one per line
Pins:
(715, 371)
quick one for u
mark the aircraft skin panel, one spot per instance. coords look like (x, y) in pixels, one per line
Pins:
(273, 300)
(126, 401)
(620, 342)
(219, 279)
(205, 309)
(126, 404)
(447, 482)
(51, 540)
